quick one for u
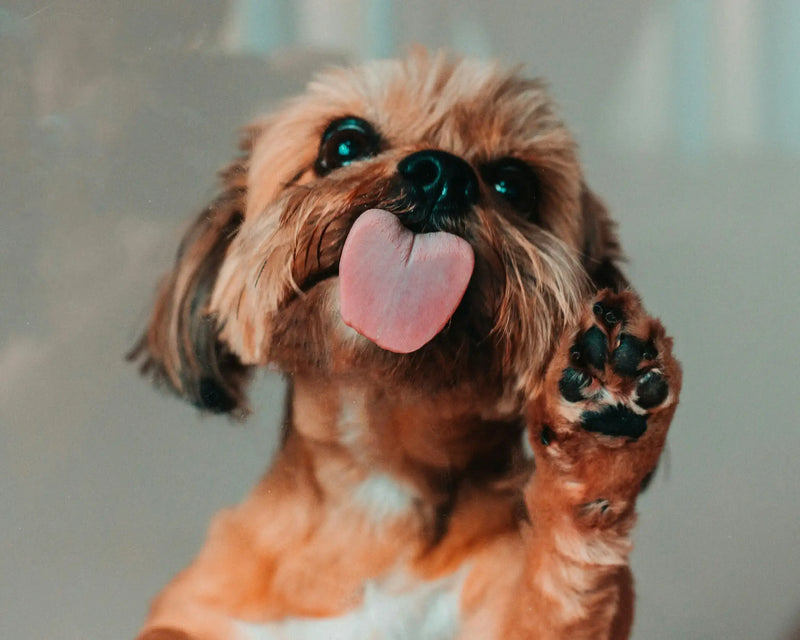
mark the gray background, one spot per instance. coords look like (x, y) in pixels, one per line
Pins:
(113, 119)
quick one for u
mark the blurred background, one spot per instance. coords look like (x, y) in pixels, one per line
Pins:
(115, 115)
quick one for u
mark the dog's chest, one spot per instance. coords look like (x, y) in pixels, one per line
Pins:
(393, 608)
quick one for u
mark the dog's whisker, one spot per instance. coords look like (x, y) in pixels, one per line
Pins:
(294, 179)
(260, 271)
(239, 301)
(321, 238)
(307, 252)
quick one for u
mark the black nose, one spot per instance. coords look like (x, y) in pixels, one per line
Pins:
(439, 184)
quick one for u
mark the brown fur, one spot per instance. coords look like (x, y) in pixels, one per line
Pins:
(255, 285)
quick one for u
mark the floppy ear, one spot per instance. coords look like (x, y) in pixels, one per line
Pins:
(181, 348)
(602, 254)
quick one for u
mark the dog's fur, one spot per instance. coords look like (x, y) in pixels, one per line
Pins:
(402, 503)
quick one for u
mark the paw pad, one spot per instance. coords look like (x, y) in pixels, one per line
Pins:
(610, 316)
(630, 353)
(591, 348)
(651, 390)
(616, 420)
(572, 384)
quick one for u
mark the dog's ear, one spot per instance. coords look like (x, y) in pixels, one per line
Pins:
(180, 348)
(602, 254)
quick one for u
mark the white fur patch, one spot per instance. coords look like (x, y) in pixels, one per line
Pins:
(571, 411)
(393, 608)
(527, 448)
(383, 496)
(352, 417)
(594, 549)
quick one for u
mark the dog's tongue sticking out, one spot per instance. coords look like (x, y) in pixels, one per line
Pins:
(398, 288)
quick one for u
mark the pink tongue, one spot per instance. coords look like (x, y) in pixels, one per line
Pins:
(398, 288)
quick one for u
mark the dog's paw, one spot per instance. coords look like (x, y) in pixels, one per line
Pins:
(610, 394)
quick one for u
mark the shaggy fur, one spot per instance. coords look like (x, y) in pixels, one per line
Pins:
(403, 479)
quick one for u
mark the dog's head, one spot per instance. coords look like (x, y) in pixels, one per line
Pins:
(422, 145)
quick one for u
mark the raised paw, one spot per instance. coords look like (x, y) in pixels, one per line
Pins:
(610, 394)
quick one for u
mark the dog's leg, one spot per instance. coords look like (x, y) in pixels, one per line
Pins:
(207, 600)
(597, 431)
(234, 577)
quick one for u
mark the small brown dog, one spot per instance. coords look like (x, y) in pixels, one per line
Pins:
(413, 245)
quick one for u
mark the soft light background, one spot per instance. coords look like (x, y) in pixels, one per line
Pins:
(114, 116)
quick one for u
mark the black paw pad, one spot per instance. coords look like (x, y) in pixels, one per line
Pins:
(629, 354)
(651, 390)
(615, 421)
(607, 314)
(572, 383)
(591, 348)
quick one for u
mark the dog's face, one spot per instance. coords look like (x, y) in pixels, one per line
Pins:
(455, 147)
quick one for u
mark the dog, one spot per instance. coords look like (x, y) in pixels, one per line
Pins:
(475, 395)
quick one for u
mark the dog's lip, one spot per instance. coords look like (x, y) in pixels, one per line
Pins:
(320, 276)
(328, 273)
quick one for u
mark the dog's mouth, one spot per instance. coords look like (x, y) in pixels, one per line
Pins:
(398, 288)
(319, 276)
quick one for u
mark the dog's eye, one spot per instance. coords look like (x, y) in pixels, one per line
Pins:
(516, 183)
(344, 141)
